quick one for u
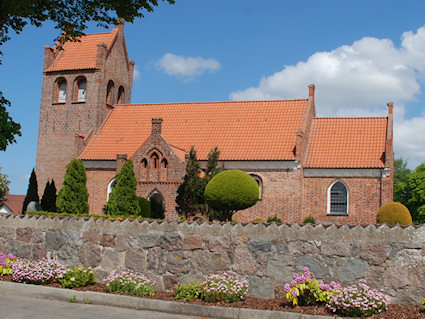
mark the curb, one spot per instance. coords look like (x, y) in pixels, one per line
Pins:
(130, 302)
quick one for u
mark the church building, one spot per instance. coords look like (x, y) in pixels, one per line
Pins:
(337, 170)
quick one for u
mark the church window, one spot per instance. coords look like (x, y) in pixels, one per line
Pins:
(164, 165)
(80, 86)
(260, 184)
(338, 199)
(110, 93)
(143, 169)
(120, 95)
(111, 186)
(154, 166)
(60, 91)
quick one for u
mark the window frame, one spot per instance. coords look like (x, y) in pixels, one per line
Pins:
(329, 195)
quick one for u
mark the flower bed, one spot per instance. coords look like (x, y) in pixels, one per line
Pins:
(225, 290)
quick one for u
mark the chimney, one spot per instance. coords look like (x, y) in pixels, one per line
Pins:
(121, 159)
(101, 54)
(311, 88)
(49, 57)
(156, 126)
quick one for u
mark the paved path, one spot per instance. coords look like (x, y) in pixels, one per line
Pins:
(17, 307)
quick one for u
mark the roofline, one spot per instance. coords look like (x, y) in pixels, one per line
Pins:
(351, 118)
(213, 102)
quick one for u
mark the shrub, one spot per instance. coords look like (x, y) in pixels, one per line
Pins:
(123, 200)
(274, 219)
(230, 191)
(258, 220)
(145, 207)
(358, 301)
(305, 290)
(394, 213)
(423, 303)
(48, 200)
(6, 261)
(77, 277)
(224, 288)
(188, 291)
(130, 282)
(309, 220)
(37, 272)
(73, 196)
(32, 192)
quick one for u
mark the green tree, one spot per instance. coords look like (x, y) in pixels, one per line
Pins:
(4, 187)
(230, 191)
(145, 207)
(212, 165)
(32, 192)
(71, 17)
(73, 196)
(123, 199)
(401, 178)
(8, 128)
(416, 202)
(190, 192)
(48, 200)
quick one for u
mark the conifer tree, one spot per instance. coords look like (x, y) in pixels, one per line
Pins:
(32, 192)
(48, 200)
(73, 196)
(123, 200)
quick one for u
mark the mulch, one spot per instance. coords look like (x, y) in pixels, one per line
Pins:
(394, 311)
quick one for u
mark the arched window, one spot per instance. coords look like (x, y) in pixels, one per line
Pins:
(144, 169)
(80, 86)
(260, 184)
(111, 186)
(338, 199)
(164, 165)
(154, 166)
(110, 93)
(60, 91)
(120, 95)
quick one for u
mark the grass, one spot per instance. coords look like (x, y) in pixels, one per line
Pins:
(72, 299)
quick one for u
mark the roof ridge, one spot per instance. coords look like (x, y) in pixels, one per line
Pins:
(350, 118)
(212, 102)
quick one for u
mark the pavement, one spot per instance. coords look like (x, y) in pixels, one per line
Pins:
(33, 301)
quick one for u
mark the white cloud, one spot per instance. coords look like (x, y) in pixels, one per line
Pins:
(136, 73)
(358, 80)
(186, 68)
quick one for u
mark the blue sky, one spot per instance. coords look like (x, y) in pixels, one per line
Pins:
(359, 54)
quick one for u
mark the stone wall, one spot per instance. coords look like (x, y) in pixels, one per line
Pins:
(392, 258)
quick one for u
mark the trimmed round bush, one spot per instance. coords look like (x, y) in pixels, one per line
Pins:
(145, 207)
(231, 190)
(394, 213)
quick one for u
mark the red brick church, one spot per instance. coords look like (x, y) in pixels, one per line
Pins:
(334, 169)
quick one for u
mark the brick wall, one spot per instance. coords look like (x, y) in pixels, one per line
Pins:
(391, 258)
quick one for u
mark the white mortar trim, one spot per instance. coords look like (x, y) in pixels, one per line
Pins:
(345, 172)
(109, 189)
(100, 164)
(328, 210)
(254, 165)
(259, 179)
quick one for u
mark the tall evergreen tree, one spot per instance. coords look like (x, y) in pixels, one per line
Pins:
(73, 196)
(48, 200)
(32, 192)
(123, 200)
(190, 194)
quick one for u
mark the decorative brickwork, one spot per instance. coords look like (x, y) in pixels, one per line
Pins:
(391, 258)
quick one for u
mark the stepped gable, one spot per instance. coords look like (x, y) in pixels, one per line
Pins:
(347, 143)
(242, 130)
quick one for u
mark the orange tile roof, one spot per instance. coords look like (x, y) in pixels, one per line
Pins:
(347, 143)
(248, 130)
(14, 203)
(83, 54)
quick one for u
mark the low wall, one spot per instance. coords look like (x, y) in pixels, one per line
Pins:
(392, 258)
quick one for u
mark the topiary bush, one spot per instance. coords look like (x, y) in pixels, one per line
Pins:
(394, 213)
(145, 207)
(230, 191)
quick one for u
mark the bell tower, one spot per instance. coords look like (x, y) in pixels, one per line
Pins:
(81, 84)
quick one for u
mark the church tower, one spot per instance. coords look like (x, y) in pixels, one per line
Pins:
(81, 85)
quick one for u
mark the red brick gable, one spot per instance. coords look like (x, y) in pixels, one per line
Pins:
(248, 130)
(347, 143)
